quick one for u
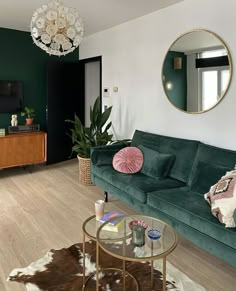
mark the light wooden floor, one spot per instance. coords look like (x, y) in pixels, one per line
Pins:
(45, 209)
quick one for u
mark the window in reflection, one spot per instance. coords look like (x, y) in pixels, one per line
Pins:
(209, 93)
(224, 80)
(213, 53)
(214, 82)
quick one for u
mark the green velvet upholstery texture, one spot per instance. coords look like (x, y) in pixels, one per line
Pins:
(177, 199)
(184, 151)
(213, 246)
(103, 157)
(136, 185)
(156, 164)
(190, 208)
(206, 175)
(213, 155)
(149, 140)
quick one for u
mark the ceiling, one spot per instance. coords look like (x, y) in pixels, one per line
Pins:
(97, 14)
(196, 41)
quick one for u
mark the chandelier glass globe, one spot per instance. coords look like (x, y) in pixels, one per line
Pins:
(56, 29)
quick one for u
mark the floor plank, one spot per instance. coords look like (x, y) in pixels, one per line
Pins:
(45, 209)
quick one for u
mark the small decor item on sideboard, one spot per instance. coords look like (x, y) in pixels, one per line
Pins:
(2, 131)
(30, 113)
(14, 120)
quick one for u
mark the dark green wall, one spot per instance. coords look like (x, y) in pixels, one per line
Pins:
(178, 95)
(21, 60)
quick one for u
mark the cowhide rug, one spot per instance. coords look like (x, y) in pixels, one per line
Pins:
(62, 270)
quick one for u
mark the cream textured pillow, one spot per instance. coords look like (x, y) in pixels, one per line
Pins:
(222, 198)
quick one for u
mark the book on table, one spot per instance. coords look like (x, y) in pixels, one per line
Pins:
(115, 224)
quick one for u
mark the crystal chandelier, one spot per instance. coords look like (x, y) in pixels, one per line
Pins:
(57, 29)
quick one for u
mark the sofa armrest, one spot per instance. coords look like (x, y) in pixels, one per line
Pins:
(103, 155)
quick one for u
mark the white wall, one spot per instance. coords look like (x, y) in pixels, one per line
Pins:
(132, 56)
(92, 87)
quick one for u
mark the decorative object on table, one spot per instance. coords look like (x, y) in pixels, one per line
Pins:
(154, 234)
(99, 208)
(2, 131)
(14, 121)
(138, 235)
(222, 199)
(29, 112)
(128, 160)
(57, 29)
(111, 215)
(45, 274)
(113, 227)
(115, 224)
(137, 222)
(83, 138)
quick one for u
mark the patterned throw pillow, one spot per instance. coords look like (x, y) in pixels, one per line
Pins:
(128, 160)
(222, 198)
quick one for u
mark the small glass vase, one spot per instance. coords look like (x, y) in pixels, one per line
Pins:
(138, 235)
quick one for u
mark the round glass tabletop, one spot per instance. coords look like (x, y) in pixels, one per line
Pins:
(122, 242)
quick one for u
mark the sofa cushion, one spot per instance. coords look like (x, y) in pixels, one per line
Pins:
(149, 140)
(139, 184)
(156, 164)
(206, 175)
(128, 160)
(213, 155)
(134, 185)
(191, 208)
(184, 151)
(222, 199)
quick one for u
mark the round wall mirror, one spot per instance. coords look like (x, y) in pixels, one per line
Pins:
(198, 66)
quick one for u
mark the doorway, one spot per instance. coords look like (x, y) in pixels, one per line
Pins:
(72, 88)
(92, 84)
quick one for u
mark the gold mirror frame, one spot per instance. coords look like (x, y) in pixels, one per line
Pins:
(178, 65)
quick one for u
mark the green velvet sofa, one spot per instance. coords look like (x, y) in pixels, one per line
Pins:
(178, 198)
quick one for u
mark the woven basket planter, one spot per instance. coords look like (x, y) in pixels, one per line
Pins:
(84, 171)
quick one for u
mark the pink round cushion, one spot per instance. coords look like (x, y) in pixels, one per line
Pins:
(128, 160)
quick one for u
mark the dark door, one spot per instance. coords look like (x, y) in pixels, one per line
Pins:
(65, 97)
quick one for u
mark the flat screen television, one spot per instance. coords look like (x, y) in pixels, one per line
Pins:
(11, 96)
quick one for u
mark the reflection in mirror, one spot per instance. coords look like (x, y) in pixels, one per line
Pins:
(169, 86)
(197, 71)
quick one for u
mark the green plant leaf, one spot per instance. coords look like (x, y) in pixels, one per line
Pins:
(105, 116)
(108, 126)
(83, 138)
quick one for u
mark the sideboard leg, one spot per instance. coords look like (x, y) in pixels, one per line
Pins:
(105, 196)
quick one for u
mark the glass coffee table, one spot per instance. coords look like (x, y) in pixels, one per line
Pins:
(120, 245)
(89, 228)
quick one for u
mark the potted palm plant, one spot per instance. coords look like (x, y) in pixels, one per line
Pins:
(29, 112)
(83, 138)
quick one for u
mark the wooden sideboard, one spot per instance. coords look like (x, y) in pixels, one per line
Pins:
(22, 149)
